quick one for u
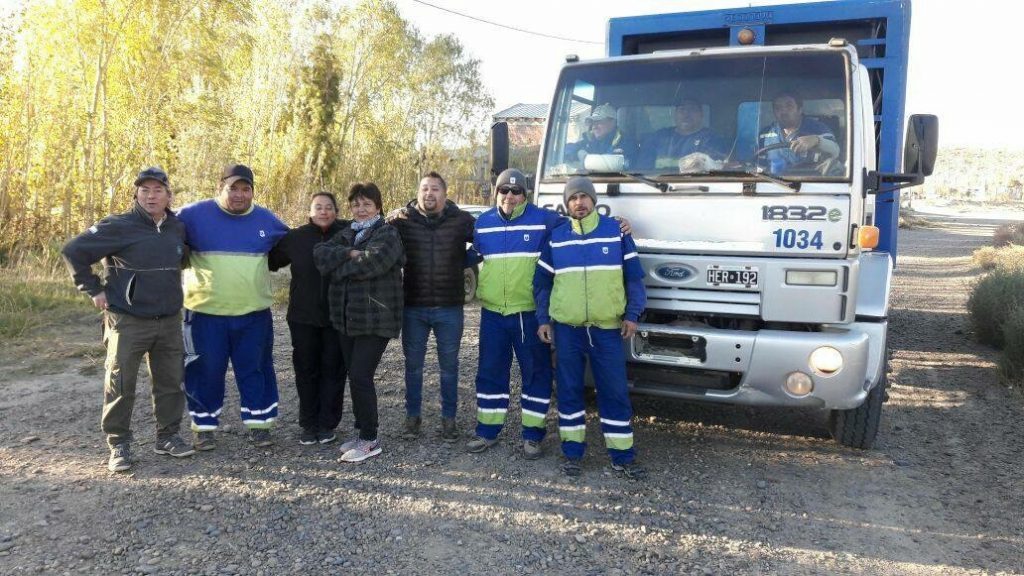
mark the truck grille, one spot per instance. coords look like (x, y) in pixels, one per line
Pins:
(694, 300)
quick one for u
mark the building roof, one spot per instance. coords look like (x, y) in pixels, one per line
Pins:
(539, 111)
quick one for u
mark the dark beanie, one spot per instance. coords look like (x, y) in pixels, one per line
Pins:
(578, 184)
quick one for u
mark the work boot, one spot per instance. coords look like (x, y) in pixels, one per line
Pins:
(480, 444)
(204, 440)
(630, 470)
(260, 437)
(449, 431)
(532, 449)
(412, 427)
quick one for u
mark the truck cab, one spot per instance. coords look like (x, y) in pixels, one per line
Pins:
(759, 178)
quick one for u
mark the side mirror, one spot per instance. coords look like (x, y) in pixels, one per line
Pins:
(499, 149)
(922, 144)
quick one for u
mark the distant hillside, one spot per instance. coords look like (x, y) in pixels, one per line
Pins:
(976, 174)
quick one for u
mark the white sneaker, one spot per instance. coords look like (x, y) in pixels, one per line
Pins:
(349, 444)
(364, 449)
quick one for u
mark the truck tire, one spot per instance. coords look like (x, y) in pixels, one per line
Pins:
(469, 280)
(858, 427)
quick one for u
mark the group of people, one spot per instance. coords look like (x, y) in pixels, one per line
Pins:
(792, 139)
(190, 291)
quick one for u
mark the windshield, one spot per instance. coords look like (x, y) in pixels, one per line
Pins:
(785, 115)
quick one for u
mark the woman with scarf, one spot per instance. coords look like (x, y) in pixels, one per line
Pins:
(316, 344)
(364, 263)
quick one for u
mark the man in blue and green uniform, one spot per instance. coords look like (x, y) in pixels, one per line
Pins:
(509, 237)
(227, 307)
(589, 292)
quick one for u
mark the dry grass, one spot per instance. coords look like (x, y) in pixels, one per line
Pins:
(1008, 258)
(1007, 234)
(36, 291)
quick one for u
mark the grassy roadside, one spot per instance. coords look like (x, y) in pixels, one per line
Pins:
(36, 292)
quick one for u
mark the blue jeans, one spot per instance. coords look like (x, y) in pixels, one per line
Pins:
(446, 322)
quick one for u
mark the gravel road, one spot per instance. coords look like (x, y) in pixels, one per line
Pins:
(731, 490)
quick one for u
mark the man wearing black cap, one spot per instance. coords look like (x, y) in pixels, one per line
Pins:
(227, 307)
(140, 295)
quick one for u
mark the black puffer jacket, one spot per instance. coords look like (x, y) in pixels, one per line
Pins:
(307, 293)
(365, 293)
(435, 251)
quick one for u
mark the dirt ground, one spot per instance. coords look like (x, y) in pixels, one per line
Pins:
(731, 490)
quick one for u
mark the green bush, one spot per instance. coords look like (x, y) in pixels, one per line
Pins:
(994, 297)
(1012, 361)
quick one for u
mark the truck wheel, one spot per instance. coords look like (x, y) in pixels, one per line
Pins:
(857, 427)
(469, 280)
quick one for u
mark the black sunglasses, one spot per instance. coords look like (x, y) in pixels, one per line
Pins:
(511, 190)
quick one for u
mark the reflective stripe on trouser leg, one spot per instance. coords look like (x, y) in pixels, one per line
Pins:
(207, 342)
(571, 344)
(492, 375)
(613, 404)
(535, 366)
(252, 347)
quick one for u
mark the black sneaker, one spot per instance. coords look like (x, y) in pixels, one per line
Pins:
(173, 446)
(308, 437)
(572, 468)
(632, 470)
(326, 436)
(449, 431)
(204, 440)
(260, 437)
(120, 458)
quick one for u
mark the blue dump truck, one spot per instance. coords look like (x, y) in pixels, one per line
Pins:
(758, 154)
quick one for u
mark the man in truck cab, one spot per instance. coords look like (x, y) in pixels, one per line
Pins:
(603, 137)
(808, 139)
(665, 149)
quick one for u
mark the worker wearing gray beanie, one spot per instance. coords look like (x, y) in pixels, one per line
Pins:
(578, 184)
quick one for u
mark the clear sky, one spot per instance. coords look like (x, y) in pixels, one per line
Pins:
(964, 57)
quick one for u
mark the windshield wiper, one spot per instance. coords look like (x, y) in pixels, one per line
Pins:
(654, 182)
(793, 185)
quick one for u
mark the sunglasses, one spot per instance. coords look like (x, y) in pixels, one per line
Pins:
(511, 190)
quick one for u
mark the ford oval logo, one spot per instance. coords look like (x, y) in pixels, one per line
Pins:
(675, 272)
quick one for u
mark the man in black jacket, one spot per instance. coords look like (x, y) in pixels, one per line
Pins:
(142, 252)
(434, 232)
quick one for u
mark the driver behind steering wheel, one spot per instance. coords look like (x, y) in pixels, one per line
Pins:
(810, 141)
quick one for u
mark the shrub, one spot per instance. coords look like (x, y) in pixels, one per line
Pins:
(1010, 233)
(992, 300)
(1012, 361)
(985, 257)
(1008, 258)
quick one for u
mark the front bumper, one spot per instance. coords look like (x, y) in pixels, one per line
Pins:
(750, 367)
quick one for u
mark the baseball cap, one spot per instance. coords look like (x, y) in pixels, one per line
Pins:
(152, 173)
(236, 172)
(602, 112)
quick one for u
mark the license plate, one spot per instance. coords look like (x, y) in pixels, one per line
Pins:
(745, 277)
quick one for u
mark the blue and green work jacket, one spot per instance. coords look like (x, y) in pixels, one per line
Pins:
(588, 274)
(510, 247)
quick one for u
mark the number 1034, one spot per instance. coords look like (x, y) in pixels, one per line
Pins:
(799, 239)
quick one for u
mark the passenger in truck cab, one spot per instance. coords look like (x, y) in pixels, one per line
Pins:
(808, 139)
(681, 145)
(602, 137)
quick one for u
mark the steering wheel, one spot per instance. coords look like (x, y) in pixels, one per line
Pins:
(811, 164)
(777, 146)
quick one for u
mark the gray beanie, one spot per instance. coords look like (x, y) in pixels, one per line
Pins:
(578, 184)
(510, 177)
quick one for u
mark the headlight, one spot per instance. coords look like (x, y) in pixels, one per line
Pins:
(826, 361)
(811, 277)
(799, 384)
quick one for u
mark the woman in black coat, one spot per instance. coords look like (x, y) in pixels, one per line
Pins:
(364, 262)
(316, 353)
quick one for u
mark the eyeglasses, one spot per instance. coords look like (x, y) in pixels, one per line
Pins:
(511, 190)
